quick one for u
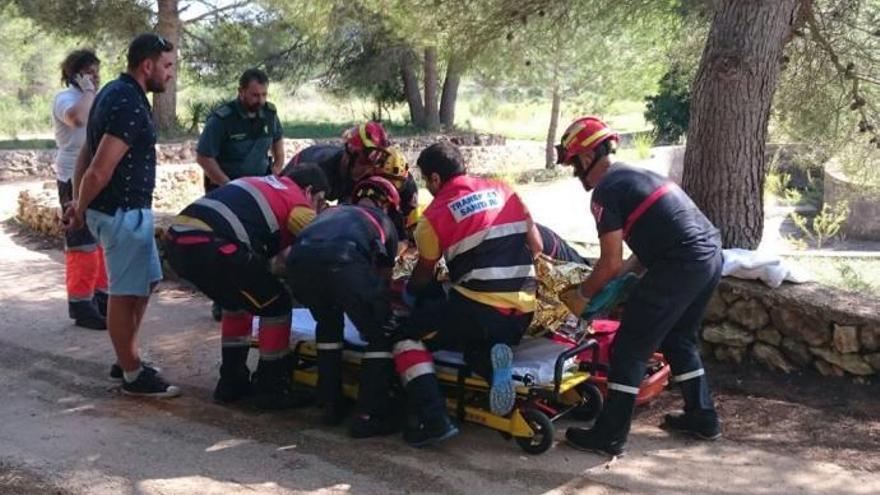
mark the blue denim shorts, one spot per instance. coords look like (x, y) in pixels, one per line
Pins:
(130, 251)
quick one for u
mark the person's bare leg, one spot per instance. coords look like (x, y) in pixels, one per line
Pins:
(122, 324)
(142, 308)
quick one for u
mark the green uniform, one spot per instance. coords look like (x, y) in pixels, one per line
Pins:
(241, 144)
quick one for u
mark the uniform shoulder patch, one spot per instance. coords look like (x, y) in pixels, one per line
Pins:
(224, 111)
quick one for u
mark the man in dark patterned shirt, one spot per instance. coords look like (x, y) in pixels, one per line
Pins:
(114, 177)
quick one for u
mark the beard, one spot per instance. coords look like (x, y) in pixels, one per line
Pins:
(156, 85)
(253, 107)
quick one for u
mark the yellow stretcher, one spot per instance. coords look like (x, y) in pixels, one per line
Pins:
(551, 383)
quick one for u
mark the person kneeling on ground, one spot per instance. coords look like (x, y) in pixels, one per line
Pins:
(681, 250)
(341, 264)
(488, 240)
(222, 243)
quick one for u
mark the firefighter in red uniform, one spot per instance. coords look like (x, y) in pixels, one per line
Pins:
(341, 264)
(681, 251)
(222, 243)
(487, 238)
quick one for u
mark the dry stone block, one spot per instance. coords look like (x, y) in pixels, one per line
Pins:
(873, 360)
(39, 211)
(770, 357)
(730, 354)
(749, 313)
(828, 369)
(727, 334)
(869, 337)
(770, 335)
(852, 363)
(799, 326)
(729, 296)
(797, 352)
(716, 309)
(846, 338)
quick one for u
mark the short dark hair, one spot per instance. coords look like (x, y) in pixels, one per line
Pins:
(147, 45)
(252, 75)
(308, 174)
(75, 62)
(442, 158)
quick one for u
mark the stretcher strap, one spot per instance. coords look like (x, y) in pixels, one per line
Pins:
(643, 207)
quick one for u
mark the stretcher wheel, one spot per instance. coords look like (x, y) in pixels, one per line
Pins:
(544, 432)
(591, 405)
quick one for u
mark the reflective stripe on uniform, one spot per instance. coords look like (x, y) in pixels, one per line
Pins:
(475, 240)
(227, 214)
(235, 341)
(499, 273)
(378, 355)
(623, 388)
(416, 371)
(262, 202)
(690, 375)
(408, 345)
(329, 346)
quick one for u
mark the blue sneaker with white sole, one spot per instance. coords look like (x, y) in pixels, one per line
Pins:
(502, 395)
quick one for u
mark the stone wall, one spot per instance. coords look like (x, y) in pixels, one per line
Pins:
(793, 327)
(30, 164)
(864, 205)
(176, 187)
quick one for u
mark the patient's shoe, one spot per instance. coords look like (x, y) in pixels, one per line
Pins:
(502, 395)
(430, 432)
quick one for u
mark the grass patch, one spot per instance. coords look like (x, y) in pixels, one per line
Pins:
(328, 130)
(27, 144)
(859, 275)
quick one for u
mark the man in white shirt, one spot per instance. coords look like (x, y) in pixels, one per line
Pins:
(86, 276)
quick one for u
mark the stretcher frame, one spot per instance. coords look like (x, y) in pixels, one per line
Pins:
(537, 406)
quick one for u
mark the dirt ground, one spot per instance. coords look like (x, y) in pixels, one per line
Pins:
(66, 429)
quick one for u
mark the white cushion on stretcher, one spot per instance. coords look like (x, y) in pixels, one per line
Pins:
(532, 357)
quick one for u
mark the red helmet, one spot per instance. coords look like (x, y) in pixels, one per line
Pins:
(365, 138)
(584, 134)
(379, 190)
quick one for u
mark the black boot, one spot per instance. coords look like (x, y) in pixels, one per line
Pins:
(235, 377)
(86, 315)
(700, 424)
(273, 386)
(608, 435)
(434, 425)
(334, 407)
(100, 300)
(374, 394)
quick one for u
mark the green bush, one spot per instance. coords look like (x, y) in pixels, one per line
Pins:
(669, 110)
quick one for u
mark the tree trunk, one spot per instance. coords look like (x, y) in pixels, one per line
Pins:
(411, 90)
(550, 154)
(432, 115)
(165, 104)
(450, 92)
(724, 164)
